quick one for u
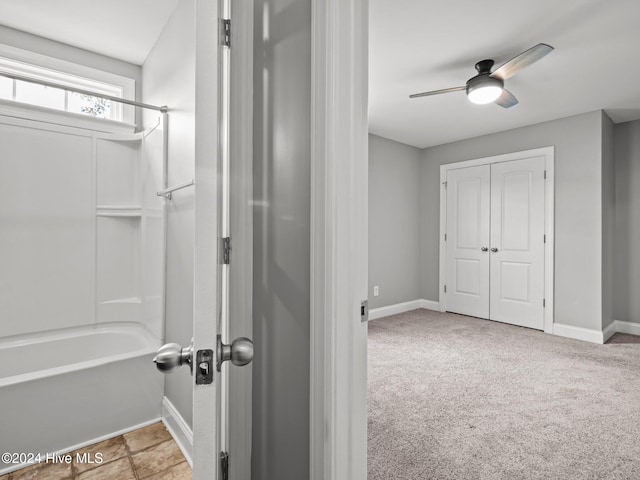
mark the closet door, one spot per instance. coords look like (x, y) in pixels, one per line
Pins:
(517, 242)
(467, 271)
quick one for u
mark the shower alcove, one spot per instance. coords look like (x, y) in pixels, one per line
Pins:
(82, 268)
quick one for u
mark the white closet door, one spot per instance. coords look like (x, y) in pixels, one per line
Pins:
(517, 242)
(467, 273)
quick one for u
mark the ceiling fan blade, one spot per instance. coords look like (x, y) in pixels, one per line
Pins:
(526, 58)
(437, 92)
(506, 99)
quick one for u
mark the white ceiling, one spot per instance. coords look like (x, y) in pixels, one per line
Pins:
(123, 29)
(418, 45)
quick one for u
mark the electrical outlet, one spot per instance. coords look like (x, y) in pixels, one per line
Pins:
(376, 291)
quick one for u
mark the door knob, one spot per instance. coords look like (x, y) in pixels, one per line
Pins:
(240, 352)
(484, 249)
(494, 249)
(171, 355)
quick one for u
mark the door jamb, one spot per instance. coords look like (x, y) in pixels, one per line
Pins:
(549, 192)
(339, 231)
(241, 232)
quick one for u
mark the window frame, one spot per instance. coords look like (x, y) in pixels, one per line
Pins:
(43, 67)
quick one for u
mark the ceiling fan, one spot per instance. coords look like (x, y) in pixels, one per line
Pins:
(488, 86)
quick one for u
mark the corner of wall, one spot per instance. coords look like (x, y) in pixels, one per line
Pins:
(169, 79)
(608, 219)
(626, 281)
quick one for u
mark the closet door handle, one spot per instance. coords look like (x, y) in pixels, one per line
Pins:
(494, 249)
(484, 249)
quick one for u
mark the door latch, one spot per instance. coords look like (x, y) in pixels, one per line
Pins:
(204, 367)
(364, 311)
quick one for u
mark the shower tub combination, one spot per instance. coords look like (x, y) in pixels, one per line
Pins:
(81, 283)
(63, 390)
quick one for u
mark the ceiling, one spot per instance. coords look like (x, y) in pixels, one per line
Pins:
(416, 46)
(122, 29)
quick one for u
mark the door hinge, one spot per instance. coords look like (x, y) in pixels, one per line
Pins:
(544, 303)
(445, 237)
(445, 185)
(445, 289)
(364, 311)
(545, 174)
(226, 33)
(545, 238)
(226, 250)
(224, 465)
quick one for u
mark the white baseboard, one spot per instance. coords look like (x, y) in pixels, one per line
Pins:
(560, 329)
(578, 333)
(430, 305)
(380, 312)
(610, 331)
(595, 336)
(178, 428)
(627, 327)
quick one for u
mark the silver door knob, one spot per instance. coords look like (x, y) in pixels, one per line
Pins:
(494, 249)
(171, 356)
(240, 352)
(484, 249)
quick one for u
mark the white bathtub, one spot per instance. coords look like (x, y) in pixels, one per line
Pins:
(63, 390)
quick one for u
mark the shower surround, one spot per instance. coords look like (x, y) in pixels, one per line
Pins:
(81, 279)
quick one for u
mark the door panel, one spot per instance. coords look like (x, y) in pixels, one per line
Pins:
(467, 233)
(517, 236)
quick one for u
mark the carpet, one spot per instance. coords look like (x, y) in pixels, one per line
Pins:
(455, 397)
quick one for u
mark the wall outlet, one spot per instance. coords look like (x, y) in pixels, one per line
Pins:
(376, 291)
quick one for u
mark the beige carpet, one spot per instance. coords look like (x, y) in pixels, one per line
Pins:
(454, 397)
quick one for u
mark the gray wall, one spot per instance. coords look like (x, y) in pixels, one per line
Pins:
(169, 79)
(62, 51)
(281, 305)
(627, 222)
(578, 219)
(608, 219)
(394, 221)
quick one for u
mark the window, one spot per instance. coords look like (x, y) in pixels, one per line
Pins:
(65, 75)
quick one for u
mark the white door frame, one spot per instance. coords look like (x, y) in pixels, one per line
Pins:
(549, 154)
(235, 147)
(339, 165)
(206, 398)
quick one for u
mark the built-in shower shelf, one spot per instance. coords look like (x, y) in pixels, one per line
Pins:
(118, 211)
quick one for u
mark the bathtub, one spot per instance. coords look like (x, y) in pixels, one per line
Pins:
(63, 390)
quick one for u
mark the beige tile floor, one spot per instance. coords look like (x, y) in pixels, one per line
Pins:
(149, 453)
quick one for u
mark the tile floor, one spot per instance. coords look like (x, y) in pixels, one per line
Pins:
(149, 453)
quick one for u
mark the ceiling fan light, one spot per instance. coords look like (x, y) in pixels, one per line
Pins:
(484, 95)
(484, 89)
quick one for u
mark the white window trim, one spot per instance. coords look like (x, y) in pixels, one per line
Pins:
(62, 71)
(25, 111)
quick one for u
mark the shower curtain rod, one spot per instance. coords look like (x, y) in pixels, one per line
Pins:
(14, 76)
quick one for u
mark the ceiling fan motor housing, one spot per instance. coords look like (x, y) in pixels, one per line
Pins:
(483, 80)
(484, 66)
